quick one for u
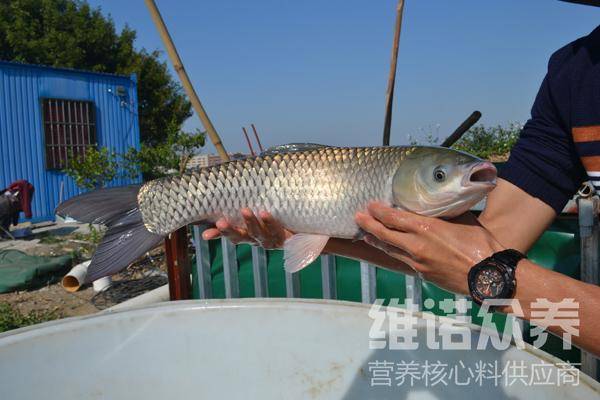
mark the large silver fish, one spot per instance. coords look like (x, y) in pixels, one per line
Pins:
(314, 191)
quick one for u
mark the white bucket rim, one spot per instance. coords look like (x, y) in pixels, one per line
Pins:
(56, 326)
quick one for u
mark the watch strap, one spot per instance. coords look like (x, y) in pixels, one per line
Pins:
(509, 257)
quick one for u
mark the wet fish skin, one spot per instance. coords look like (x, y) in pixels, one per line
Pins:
(315, 191)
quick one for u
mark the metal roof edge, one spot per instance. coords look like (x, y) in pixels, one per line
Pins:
(66, 69)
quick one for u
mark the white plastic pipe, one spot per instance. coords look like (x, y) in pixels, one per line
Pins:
(154, 296)
(102, 284)
(76, 276)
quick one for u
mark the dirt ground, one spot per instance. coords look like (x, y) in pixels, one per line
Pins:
(79, 241)
(52, 298)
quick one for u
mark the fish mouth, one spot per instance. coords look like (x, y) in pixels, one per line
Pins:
(481, 174)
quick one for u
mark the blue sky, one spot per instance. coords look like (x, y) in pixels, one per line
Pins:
(316, 71)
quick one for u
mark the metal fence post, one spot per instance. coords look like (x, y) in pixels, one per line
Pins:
(259, 271)
(230, 269)
(414, 291)
(589, 235)
(328, 277)
(368, 283)
(292, 284)
(202, 265)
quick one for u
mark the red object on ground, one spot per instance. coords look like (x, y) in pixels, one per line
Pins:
(26, 191)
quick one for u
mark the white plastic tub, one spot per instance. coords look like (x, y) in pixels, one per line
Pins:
(238, 349)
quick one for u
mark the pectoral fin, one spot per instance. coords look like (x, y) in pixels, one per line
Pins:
(302, 249)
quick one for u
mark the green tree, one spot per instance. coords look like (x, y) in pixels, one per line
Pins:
(70, 33)
(492, 142)
(161, 104)
(171, 156)
(94, 169)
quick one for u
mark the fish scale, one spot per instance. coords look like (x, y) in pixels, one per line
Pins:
(312, 191)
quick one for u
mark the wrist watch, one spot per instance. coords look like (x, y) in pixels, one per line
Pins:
(494, 277)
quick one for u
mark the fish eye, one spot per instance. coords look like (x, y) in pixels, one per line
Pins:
(439, 175)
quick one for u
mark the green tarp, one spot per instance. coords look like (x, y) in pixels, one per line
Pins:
(19, 271)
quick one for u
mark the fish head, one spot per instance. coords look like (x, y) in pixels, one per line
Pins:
(441, 182)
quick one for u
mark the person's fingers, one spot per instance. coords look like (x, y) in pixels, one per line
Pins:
(398, 219)
(236, 235)
(223, 226)
(381, 232)
(253, 225)
(273, 233)
(211, 233)
(270, 222)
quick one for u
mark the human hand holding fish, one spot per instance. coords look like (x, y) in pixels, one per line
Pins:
(262, 229)
(440, 251)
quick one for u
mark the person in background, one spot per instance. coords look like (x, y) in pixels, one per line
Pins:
(558, 149)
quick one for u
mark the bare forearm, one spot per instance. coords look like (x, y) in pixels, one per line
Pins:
(535, 282)
(515, 218)
(359, 250)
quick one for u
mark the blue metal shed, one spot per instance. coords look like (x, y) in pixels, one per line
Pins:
(47, 113)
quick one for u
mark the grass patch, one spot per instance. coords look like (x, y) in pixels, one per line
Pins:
(47, 238)
(94, 236)
(11, 318)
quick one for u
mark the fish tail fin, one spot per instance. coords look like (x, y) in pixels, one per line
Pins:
(126, 237)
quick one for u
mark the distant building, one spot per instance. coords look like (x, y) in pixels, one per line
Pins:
(203, 160)
(207, 160)
(47, 114)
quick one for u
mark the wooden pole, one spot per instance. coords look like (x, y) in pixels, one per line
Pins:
(257, 138)
(248, 140)
(178, 265)
(185, 80)
(464, 127)
(389, 97)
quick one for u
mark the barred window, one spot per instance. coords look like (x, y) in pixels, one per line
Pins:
(69, 129)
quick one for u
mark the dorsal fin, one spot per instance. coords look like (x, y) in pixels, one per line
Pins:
(292, 148)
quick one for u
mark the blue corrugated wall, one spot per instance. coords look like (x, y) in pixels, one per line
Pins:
(22, 88)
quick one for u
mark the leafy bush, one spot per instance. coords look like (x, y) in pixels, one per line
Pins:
(489, 142)
(486, 142)
(94, 169)
(100, 165)
(11, 318)
(166, 158)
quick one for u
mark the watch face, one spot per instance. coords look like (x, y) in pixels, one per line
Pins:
(489, 282)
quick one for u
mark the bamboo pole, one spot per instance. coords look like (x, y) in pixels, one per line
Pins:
(389, 97)
(176, 245)
(185, 80)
